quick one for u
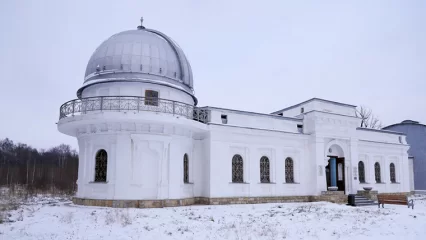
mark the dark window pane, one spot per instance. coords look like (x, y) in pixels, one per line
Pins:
(185, 169)
(151, 98)
(392, 173)
(377, 172)
(289, 170)
(101, 165)
(361, 172)
(237, 169)
(264, 170)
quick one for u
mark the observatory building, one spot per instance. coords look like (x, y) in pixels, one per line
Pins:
(144, 142)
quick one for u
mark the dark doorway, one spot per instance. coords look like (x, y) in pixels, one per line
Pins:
(340, 174)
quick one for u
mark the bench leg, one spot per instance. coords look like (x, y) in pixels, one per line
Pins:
(411, 203)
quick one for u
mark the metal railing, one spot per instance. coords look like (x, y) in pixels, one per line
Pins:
(134, 104)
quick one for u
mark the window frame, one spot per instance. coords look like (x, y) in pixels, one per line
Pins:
(101, 161)
(392, 174)
(289, 175)
(377, 172)
(265, 169)
(151, 100)
(237, 159)
(185, 168)
(361, 173)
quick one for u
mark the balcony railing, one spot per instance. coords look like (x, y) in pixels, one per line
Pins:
(134, 104)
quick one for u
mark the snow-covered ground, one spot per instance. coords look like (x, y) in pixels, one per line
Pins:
(56, 218)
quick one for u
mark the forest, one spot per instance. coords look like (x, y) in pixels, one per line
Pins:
(53, 170)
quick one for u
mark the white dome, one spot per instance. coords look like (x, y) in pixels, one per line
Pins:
(143, 55)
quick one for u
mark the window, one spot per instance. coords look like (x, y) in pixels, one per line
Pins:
(151, 98)
(339, 172)
(289, 174)
(264, 170)
(300, 128)
(392, 173)
(302, 110)
(361, 172)
(377, 172)
(101, 165)
(185, 169)
(237, 169)
(224, 118)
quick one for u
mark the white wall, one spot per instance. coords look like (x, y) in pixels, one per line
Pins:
(136, 89)
(385, 154)
(252, 145)
(369, 135)
(140, 166)
(260, 121)
(411, 173)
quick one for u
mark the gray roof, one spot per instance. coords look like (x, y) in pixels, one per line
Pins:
(139, 55)
(405, 122)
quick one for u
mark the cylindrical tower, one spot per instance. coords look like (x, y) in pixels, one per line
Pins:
(135, 119)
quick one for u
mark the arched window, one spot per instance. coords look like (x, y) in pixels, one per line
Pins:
(361, 172)
(237, 169)
(264, 170)
(377, 172)
(185, 169)
(392, 173)
(101, 166)
(289, 174)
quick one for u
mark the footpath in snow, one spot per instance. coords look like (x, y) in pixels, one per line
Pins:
(55, 218)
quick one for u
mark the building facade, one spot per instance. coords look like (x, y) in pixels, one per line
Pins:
(416, 138)
(143, 141)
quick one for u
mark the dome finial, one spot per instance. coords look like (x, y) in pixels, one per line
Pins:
(141, 26)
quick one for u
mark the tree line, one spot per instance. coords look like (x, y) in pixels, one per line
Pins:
(52, 170)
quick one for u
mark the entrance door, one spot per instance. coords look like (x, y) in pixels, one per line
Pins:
(340, 171)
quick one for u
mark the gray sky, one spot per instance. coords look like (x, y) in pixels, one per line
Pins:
(249, 55)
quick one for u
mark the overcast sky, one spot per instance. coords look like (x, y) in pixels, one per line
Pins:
(249, 55)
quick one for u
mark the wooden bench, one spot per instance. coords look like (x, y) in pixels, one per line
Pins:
(394, 199)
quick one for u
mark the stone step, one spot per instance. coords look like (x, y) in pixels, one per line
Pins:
(364, 201)
(365, 204)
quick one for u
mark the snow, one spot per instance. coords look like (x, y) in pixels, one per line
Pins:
(58, 218)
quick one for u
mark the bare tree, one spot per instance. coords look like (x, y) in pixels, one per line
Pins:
(368, 120)
(20, 164)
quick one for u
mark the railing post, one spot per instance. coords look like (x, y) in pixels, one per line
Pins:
(73, 107)
(138, 99)
(102, 103)
(173, 106)
(198, 114)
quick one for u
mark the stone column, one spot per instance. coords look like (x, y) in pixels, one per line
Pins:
(333, 172)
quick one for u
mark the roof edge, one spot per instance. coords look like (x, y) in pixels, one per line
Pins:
(254, 113)
(313, 99)
(380, 130)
